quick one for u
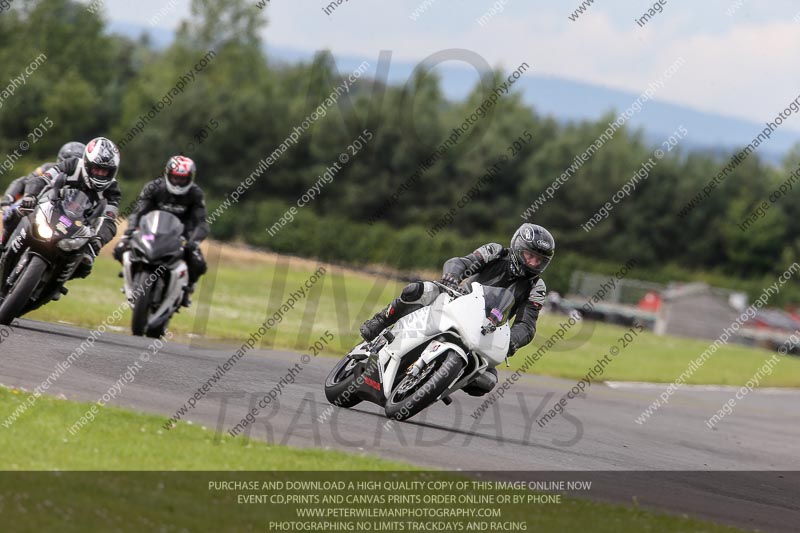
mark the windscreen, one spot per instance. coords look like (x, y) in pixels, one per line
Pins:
(499, 302)
(75, 203)
(160, 223)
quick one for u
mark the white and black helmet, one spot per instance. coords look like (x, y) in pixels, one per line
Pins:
(99, 163)
(70, 150)
(532, 249)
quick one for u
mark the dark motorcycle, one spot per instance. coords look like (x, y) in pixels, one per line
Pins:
(44, 251)
(155, 273)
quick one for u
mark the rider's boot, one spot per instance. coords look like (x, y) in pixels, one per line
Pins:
(483, 383)
(411, 299)
(383, 319)
(187, 295)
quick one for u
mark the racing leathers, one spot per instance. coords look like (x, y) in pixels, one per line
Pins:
(14, 192)
(104, 214)
(190, 208)
(488, 265)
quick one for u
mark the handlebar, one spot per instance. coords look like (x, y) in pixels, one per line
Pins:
(453, 292)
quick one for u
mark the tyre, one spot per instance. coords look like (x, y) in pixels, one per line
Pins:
(20, 293)
(340, 379)
(413, 394)
(142, 304)
(155, 333)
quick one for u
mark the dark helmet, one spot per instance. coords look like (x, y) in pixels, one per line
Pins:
(179, 174)
(71, 149)
(99, 163)
(532, 248)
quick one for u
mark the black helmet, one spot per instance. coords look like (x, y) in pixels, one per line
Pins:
(71, 149)
(532, 248)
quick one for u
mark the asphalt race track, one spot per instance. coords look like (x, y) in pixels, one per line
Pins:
(599, 432)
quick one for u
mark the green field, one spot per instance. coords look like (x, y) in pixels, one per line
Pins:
(123, 440)
(243, 297)
(120, 441)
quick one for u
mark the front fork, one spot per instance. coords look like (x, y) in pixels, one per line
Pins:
(127, 275)
(11, 278)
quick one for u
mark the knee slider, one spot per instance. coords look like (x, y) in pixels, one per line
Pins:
(412, 292)
(201, 266)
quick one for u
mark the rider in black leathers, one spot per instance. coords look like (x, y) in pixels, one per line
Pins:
(175, 193)
(94, 173)
(517, 268)
(16, 189)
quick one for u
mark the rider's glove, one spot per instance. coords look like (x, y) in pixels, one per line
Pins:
(512, 349)
(191, 246)
(121, 247)
(450, 280)
(95, 244)
(28, 201)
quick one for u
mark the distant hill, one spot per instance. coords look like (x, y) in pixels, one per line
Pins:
(566, 100)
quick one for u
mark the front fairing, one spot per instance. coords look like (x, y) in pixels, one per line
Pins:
(55, 231)
(467, 315)
(64, 217)
(463, 317)
(159, 238)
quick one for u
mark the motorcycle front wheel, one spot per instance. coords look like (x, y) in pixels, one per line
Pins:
(340, 379)
(415, 393)
(20, 293)
(142, 304)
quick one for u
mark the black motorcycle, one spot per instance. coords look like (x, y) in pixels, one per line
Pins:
(156, 276)
(44, 251)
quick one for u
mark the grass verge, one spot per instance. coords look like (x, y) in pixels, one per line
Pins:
(121, 440)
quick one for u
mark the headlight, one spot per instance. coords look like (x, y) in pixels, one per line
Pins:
(70, 245)
(43, 229)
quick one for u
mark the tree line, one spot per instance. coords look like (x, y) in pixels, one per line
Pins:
(431, 203)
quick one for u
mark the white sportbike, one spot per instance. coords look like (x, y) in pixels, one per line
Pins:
(427, 355)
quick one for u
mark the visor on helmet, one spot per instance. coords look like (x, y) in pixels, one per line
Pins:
(99, 172)
(179, 180)
(534, 259)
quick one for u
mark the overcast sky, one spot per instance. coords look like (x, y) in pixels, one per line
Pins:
(743, 65)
